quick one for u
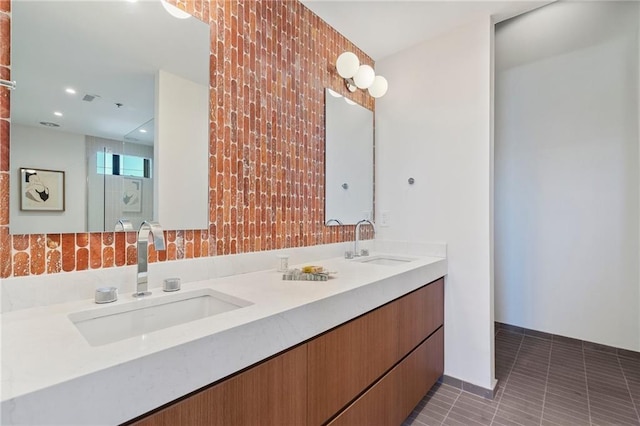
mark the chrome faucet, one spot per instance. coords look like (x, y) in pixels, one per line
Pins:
(355, 246)
(123, 225)
(157, 233)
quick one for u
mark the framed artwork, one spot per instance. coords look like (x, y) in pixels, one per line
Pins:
(131, 195)
(41, 190)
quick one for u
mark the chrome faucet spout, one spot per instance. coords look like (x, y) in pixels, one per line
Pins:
(157, 233)
(356, 252)
(123, 225)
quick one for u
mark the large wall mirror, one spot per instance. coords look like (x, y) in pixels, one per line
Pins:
(113, 97)
(348, 161)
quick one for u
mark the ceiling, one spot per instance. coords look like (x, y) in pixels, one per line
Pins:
(60, 44)
(381, 28)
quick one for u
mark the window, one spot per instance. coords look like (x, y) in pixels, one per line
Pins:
(123, 165)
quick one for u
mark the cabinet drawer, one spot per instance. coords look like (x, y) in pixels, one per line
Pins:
(348, 359)
(420, 313)
(392, 399)
(272, 393)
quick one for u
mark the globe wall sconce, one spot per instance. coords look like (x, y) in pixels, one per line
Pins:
(358, 76)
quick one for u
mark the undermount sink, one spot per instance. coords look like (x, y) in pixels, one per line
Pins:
(109, 324)
(384, 259)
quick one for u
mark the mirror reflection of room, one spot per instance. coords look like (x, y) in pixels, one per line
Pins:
(86, 104)
(120, 179)
(348, 161)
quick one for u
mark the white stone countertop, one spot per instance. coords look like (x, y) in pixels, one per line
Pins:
(51, 375)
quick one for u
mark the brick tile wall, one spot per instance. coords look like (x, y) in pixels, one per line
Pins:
(270, 62)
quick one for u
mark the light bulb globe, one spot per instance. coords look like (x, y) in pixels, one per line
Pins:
(174, 10)
(347, 64)
(379, 87)
(334, 93)
(364, 77)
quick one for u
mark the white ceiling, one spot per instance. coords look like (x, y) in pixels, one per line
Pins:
(113, 50)
(381, 28)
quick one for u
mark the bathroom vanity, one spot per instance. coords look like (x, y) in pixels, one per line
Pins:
(366, 343)
(371, 370)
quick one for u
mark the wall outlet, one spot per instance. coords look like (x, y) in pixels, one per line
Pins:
(384, 218)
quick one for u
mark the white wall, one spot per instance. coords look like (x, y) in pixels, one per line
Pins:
(181, 162)
(567, 192)
(434, 125)
(39, 147)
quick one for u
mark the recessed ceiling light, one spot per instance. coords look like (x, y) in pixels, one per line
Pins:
(70, 91)
(143, 131)
(57, 113)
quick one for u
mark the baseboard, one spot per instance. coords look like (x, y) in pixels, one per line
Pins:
(586, 345)
(469, 387)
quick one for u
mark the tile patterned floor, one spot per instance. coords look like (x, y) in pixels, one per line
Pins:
(545, 380)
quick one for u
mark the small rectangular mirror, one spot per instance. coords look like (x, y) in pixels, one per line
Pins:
(348, 161)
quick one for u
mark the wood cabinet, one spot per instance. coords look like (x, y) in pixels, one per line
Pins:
(351, 357)
(337, 373)
(393, 397)
(272, 393)
(421, 372)
(420, 314)
(371, 370)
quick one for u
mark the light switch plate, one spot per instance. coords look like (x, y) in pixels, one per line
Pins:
(384, 218)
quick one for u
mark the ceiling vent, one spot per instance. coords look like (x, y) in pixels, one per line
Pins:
(89, 98)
